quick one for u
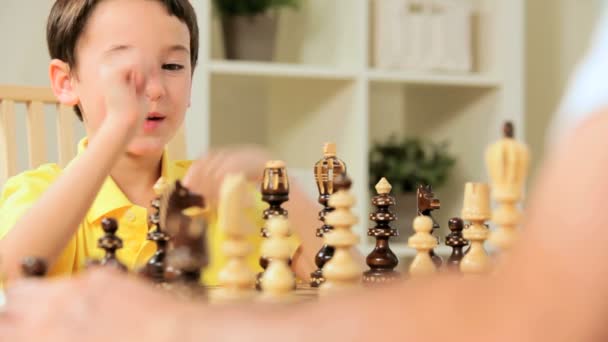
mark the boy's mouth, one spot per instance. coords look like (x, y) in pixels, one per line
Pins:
(155, 117)
(153, 122)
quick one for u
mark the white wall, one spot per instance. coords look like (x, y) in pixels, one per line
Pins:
(558, 33)
(22, 33)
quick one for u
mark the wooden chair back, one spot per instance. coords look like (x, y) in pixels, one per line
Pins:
(35, 99)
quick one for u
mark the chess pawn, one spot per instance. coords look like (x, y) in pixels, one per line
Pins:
(476, 209)
(325, 172)
(33, 267)
(342, 271)
(423, 242)
(278, 281)
(382, 260)
(275, 191)
(236, 278)
(457, 242)
(110, 243)
(507, 162)
(426, 204)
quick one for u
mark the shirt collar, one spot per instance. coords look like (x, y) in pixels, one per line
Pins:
(110, 198)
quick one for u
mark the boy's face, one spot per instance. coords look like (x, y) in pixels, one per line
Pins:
(159, 43)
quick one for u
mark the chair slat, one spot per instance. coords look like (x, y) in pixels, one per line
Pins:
(35, 98)
(8, 141)
(35, 134)
(26, 94)
(65, 134)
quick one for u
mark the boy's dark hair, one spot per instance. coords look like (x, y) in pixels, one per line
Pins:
(68, 19)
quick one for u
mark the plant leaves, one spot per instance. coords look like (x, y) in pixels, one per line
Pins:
(410, 161)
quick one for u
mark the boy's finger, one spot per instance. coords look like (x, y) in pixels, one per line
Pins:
(195, 177)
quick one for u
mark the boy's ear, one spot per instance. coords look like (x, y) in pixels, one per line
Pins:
(61, 82)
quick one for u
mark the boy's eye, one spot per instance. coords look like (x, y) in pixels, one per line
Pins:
(173, 67)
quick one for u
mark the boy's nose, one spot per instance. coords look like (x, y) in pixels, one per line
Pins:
(154, 88)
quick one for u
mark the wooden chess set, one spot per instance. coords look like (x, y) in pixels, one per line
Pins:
(178, 226)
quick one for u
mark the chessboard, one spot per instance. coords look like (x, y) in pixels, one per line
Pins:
(178, 226)
(302, 292)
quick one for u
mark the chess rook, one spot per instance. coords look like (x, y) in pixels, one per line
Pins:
(476, 210)
(278, 281)
(382, 260)
(423, 242)
(426, 204)
(275, 192)
(507, 162)
(110, 243)
(342, 271)
(325, 172)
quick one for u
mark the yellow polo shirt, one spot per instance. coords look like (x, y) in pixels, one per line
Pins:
(21, 191)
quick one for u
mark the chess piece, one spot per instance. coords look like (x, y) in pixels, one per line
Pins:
(236, 279)
(476, 210)
(423, 242)
(177, 199)
(33, 267)
(194, 254)
(278, 281)
(110, 243)
(382, 260)
(426, 204)
(155, 267)
(275, 191)
(325, 171)
(342, 271)
(457, 242)
(507, 161)
(184, 221)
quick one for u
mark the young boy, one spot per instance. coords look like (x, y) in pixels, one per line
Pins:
(126, 66)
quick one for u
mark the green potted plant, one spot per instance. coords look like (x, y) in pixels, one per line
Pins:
(406, 163)
(250, 27)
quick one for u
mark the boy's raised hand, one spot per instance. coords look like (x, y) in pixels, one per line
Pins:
(124, 79)
(207, 173)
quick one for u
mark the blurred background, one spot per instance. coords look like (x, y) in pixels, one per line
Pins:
(409, 89)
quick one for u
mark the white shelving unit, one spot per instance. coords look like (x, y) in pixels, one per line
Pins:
(283, 70)
(323, 87)
(421, 78)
